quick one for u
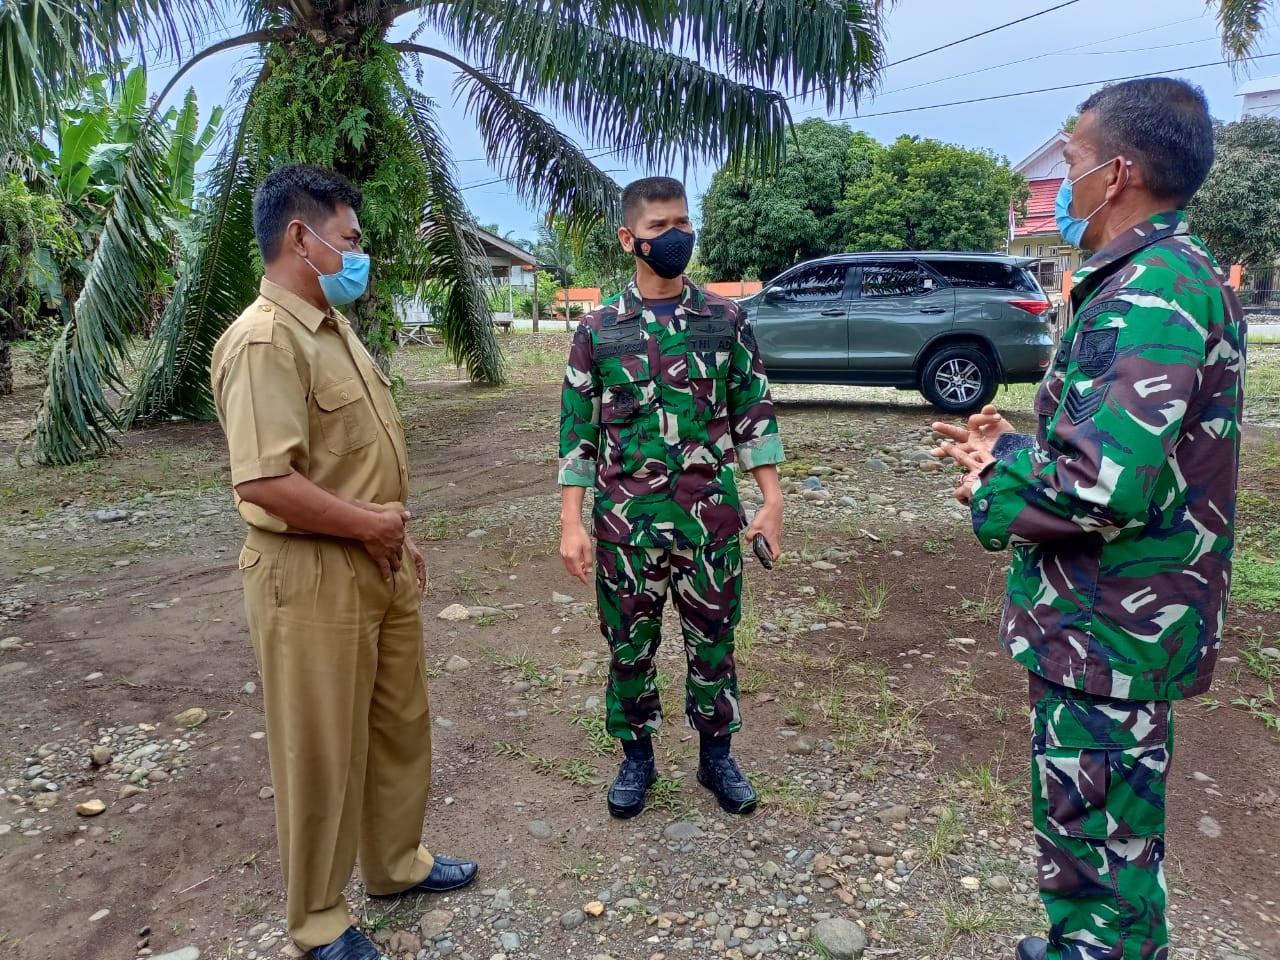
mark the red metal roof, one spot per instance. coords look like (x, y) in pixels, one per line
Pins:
(1040, 218)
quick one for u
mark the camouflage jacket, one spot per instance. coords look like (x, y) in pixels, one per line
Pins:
(1122, 513)
(654, 413)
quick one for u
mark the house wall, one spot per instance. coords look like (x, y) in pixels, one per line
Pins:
(1263, 104)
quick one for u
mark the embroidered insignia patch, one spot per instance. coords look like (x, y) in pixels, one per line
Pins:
(625, 403)
(1080, 407)
(1097, 351)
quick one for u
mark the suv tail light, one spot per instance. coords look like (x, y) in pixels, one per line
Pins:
(1033, 307)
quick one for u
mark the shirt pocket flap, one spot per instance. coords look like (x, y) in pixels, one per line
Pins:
(337, 395)
(248, 557)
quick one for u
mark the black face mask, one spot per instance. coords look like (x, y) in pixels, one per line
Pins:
(667, 253)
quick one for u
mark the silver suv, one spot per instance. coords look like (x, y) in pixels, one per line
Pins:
(952, 325)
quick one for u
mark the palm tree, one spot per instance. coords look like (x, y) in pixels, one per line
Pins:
(656, 83)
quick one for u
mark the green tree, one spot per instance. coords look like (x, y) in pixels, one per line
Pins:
(671, 82)
(557, 252)
(28, 223)
(759, 227)
(928, 195)
(602, 259)
(1237, 210)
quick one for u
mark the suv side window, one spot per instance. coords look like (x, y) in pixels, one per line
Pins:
(824, 282)
(894, 280)
(986, 274)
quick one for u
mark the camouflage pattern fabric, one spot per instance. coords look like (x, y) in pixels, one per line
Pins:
(1122, 513)
(631, 587)
(1099, 770)
(655, 411)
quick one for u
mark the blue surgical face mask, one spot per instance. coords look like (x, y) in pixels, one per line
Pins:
(349, 283)
(1073, 228)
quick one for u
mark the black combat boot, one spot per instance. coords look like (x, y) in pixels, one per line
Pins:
(719, 773)
(1033, 948)
(635, 777)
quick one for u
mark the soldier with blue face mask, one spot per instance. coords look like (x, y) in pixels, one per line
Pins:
(332, 580)
(1120, 512)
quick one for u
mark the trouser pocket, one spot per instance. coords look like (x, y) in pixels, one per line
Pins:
(1102, 765)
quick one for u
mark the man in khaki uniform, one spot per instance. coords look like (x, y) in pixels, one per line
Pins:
(320, 472)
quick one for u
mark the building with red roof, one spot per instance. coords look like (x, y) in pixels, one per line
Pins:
(1036, 234)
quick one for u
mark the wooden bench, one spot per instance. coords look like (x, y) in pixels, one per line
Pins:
(504, 325)
(417, 331)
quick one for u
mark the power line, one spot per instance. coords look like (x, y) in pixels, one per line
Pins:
(1065, 86)
(946, 46)
(975, 36)
(1013, 63)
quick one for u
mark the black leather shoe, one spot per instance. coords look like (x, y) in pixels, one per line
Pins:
(719, 773)
(1033, 948)
(446, 874)
(636, 775)
(352, 945)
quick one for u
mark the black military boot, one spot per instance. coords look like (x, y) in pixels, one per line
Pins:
(635, 777)
(719, 773)
(1033, 948)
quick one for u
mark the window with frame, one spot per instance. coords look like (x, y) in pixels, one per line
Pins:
(880, 280)
(825, 282)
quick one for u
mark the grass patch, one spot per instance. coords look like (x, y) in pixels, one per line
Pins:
(873, 597)
(667, 793)
(980, 786)
(786, 794)
(948, 834)
(599, 740)
(579, 772)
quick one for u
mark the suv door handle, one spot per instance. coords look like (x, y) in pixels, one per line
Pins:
(933, 309)
(832, 313)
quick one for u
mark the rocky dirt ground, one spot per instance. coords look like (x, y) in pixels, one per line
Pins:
(885, 728)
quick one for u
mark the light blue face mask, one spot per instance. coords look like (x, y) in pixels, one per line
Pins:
(1072, 228)
(349, 283)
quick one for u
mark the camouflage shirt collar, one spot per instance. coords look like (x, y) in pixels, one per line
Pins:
(692, 300)
(1170, 223)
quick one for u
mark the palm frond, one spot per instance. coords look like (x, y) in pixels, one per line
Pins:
(457, 284)
(1240, 23)
(49, 47)
(829, 49)
(547, 170)
(214, 285)
(657, 108)
(77, 417)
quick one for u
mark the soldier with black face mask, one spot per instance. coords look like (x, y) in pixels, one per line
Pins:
(663, 393)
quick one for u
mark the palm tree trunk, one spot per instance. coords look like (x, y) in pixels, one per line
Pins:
(6, 368)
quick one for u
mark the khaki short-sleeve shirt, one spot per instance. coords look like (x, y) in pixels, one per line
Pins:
(296, 391)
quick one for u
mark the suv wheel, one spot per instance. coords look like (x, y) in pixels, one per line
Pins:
(958, 380)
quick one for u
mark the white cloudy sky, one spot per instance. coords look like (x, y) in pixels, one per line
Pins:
(1089, 40)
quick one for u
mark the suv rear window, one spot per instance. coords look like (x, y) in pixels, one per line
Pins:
(987, 274)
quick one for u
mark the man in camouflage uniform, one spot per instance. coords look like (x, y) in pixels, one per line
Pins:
(662, 393)
(1121, 516)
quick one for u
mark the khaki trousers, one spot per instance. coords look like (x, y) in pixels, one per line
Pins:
(348, 724)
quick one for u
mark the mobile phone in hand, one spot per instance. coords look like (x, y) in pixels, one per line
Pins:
(761, 547)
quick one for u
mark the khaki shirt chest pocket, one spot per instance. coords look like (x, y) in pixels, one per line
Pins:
(345, 416)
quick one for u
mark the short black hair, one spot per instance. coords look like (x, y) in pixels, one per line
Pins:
(649, 190)
(1161, 123)
(297, 192)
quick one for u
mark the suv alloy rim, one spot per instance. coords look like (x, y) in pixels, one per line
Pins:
(958, 380)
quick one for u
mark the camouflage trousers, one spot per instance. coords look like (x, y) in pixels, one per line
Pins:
(631, 590)
(1099, 770)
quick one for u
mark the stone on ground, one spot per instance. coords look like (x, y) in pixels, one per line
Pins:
(841, 938)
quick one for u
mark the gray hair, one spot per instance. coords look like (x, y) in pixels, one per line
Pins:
(1163, 125)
